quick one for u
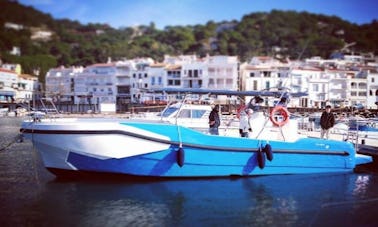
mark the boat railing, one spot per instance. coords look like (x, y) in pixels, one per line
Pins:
(48, 110)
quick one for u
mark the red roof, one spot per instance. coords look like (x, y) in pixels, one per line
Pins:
(7, 71)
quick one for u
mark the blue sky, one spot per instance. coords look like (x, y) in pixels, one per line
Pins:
(127, 13)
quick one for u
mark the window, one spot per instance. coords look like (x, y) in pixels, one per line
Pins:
(362, 85)
(267, 85)
(266, 74)
(255, 85)
(198, 113)
(195, 73)
(185, 113)
(362, 93)
(174, 74)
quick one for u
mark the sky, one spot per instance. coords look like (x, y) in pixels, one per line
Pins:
(129, 13)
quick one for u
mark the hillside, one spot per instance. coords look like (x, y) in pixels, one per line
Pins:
(45, 42)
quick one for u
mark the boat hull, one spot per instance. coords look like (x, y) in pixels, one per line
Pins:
(165, 150)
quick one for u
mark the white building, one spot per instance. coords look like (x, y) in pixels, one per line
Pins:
(96, 84)
(185, 71)
(358, 88)
(8, 85)
(123, 71)
(372, 88)
(195, 74)
(146, 75)
(269, 75)
(222, 72)
(28, 86)
(103, 83)
(326, 82)
(60, 83)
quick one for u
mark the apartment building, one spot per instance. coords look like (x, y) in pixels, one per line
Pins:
(8, 85)
(333, 82)
(372, 87)
(222, 72)
(146, 75)
(18, 88)
(102, 83)
(211, 72)
(28, 88)
(60, 83)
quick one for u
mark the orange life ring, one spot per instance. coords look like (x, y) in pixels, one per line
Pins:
(239, 110)
(279, 110)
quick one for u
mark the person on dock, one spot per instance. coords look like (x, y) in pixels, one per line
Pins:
(327, 121)
(245, 124)
(214, 121)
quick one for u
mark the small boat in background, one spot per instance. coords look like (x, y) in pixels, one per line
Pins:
(363, 127)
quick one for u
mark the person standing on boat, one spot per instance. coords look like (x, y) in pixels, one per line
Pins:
(214, 121)
(282, 102)
(327, 121)
(245, 124)
(255, 103)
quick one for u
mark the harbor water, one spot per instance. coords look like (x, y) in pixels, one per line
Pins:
(31, 196)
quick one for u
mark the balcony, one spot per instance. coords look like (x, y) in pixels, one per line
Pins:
(338, 87)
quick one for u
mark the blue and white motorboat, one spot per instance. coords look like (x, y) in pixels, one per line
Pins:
(363, 127)
(159, 149)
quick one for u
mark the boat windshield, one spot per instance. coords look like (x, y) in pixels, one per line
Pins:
(185, 113)
(168, 112)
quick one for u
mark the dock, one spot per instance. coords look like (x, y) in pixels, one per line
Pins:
(368, 150)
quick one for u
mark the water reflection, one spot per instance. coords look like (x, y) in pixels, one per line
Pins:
(274, 201)
(30, 196)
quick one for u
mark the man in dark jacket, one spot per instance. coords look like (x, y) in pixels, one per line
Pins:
(327, 121)
(214, 121)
